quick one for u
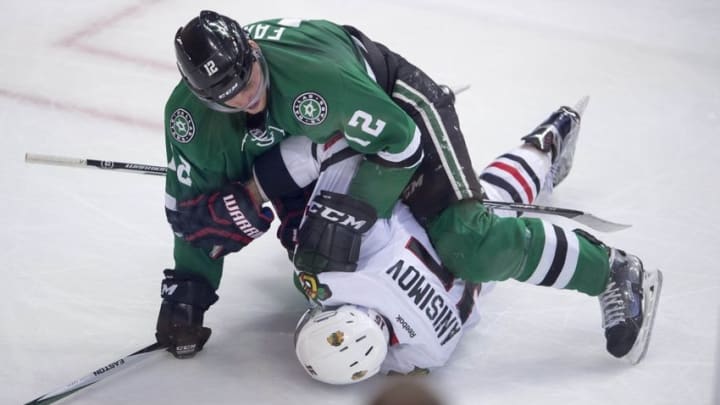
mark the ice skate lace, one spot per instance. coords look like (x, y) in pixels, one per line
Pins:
(613, 306)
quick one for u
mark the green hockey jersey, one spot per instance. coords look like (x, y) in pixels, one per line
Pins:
(205, 150)
(320, 87)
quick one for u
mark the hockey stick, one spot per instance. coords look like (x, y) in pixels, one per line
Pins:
(95, 376)
(100, 164)
(581, 217)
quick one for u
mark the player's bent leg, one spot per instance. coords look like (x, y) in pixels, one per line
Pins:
(466, 238)
(517, 176)
(541, 163)
(479, 246)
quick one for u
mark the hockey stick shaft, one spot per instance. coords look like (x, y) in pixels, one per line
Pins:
(584, 218)
(95, 376)
(100, 164)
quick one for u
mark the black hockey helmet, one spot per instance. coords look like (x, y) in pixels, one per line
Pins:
(214, 58)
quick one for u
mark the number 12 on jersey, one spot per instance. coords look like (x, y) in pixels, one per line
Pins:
(366, 122)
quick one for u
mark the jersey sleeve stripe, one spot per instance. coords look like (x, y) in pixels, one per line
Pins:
(409, 154)
(433, 122)
(410, 162)
(170, 202)
(358, 141)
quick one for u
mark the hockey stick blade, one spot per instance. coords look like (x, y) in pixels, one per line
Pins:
(95, 376)
(581, 105)
(581, 217)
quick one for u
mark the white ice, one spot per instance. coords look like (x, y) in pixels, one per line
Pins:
(82, 250)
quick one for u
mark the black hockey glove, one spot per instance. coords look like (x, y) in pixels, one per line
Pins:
(222, 222)
(290, 210)
(329, 239)
(180, 328)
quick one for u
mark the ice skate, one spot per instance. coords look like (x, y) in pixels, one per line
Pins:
(558, 135)
(628, 306)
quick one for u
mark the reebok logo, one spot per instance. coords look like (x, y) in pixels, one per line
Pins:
(239, 218)
(336, 216)
(411, 332)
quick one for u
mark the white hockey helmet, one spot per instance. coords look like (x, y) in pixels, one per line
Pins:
(342, 345)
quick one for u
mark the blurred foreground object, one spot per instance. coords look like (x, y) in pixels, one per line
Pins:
(406, 392)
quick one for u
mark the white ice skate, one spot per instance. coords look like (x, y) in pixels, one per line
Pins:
(628, 306)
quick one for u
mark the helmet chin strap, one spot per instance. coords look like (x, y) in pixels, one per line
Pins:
(261, 88)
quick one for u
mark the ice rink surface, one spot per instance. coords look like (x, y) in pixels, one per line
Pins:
(83, 250)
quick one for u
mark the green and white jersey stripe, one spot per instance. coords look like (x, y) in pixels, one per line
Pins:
(436, 129)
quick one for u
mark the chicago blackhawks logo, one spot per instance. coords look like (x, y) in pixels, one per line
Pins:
(182, 126)
(312, 287)
(310, 108)
(336, 338)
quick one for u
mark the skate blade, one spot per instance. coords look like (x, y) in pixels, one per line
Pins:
(581, 105)
(652, 284)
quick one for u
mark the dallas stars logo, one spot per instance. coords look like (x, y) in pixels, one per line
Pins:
(182, 126)
(310, 108)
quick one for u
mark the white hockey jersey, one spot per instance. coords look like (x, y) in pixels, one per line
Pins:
(399, 274)
(400, 277)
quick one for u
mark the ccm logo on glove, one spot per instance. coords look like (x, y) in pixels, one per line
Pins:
(329, 238)
(339, 217)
